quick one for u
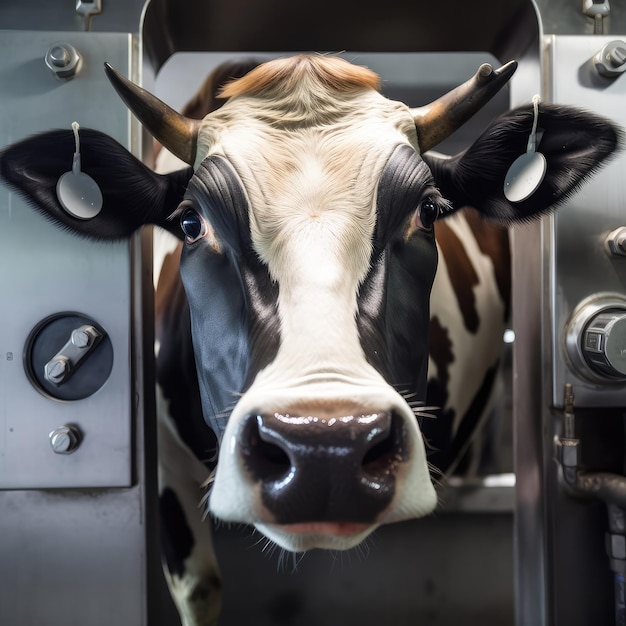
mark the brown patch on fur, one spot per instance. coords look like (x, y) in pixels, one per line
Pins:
(493, 241)
(286, 73)
(461, 272)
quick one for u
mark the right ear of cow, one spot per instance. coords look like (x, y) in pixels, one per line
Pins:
(133, 195)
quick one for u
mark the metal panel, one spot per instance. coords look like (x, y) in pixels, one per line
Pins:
(562, 570)
(116, 16)
(580, 265)
(69, 556)
(46, 271)
(69, 559)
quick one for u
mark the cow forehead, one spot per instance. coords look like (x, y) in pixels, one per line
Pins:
(314, 173)
(271, 133)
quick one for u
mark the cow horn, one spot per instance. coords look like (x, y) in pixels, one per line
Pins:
(179, 134)
(439, 119)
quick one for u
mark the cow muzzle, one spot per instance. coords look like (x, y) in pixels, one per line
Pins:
(313, 470)
(324, 472)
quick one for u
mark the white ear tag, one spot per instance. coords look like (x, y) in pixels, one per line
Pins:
(78, 192)
(527, 171)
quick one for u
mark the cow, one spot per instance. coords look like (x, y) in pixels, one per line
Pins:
(307, 219)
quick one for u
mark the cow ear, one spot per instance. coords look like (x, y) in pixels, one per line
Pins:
(575, 143)
(133, 195)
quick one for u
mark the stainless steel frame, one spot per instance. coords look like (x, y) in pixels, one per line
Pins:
(78, 537)
(562, 569)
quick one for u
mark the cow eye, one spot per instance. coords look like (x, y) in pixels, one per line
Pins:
(193, 225)
(427, 213)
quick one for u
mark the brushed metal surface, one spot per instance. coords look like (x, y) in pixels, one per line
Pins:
(579, 263)
(45, 271)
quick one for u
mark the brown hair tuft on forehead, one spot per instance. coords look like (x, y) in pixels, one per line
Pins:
(286, 73)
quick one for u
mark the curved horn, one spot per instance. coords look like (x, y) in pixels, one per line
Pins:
(439, 119)
(179, 134)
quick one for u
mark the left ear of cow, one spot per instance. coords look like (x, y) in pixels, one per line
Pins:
(574, 142)
(133, 195)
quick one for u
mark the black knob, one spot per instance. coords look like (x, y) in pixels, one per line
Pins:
(595, 338)
(604, 343)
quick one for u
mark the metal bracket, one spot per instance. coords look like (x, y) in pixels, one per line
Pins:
(63, 364)
(598, 10)
(87, 10)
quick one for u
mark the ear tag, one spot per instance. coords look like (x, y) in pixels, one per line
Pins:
(78, 192)
(527, 171)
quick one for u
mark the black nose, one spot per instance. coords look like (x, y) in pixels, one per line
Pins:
(324, 470)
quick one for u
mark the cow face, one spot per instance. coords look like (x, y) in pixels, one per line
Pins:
(287, 269)
(308, 259)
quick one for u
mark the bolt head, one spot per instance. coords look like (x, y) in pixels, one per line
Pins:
(63, 60)
(57, 369)
(64, 440)
(59, 56)
(617, 56)
(84, 336)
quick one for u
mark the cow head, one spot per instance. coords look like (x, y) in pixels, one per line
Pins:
(308, 223)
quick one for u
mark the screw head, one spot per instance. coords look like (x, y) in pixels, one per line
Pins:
(57, 369)
(64, 440)
(84, 336)
(610, 61)
(617, 56)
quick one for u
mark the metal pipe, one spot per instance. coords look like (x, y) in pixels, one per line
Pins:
(605, 486)
(610, 488)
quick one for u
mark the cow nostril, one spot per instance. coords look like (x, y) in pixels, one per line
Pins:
(383, 457)
(264, 459)
(378, 456)
(271, 461)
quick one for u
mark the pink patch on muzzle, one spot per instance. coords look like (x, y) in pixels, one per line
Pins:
(337, 529)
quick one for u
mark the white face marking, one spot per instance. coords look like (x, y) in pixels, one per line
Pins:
(312, 198)
(312, 195)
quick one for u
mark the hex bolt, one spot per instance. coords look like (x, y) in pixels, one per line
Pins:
(57, 369)
(64, 440)
(84, 336)
(63, 60)
(610, 61)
